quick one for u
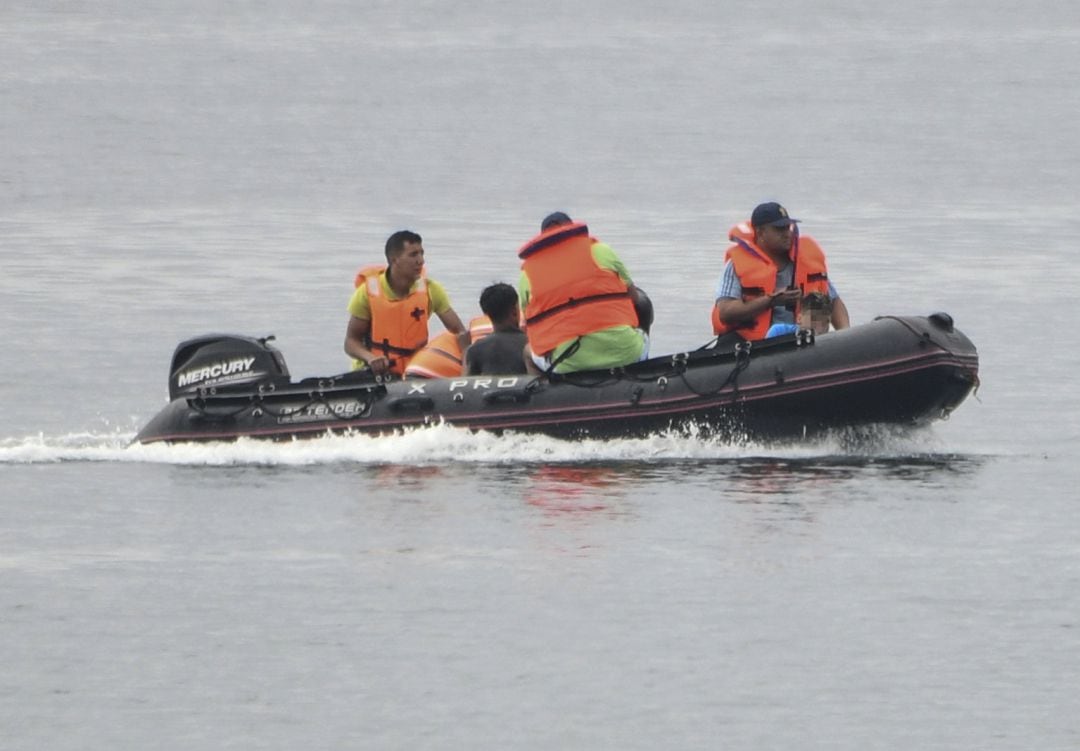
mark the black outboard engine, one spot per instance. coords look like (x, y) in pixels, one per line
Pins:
(224, 362)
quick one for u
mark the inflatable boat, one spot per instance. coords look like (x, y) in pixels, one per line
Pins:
(894, 370)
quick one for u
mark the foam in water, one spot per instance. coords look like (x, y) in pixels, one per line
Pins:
(443, 444)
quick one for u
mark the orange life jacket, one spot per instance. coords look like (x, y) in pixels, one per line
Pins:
(757, 275)
(570, 294)
(480, 327)
(398, 327)
(442, 357)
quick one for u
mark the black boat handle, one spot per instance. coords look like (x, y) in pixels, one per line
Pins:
(517, 396)
(419, 403)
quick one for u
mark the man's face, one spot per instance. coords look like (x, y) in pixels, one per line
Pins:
(776, 240)
(408, 264)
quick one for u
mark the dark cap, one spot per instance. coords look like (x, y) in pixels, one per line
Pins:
(555, 219)
(771, 213)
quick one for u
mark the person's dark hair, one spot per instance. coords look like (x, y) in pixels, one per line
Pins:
(396, 242)
(555, 219)
(498, 301)
(817, 301)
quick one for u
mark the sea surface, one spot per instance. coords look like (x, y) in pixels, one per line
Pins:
(171, 169)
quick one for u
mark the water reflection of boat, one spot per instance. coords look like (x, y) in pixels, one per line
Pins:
(572, 490)
(894, 370)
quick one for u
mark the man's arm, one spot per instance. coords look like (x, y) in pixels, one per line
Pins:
(840, 318)
(453, 324)
(355, 339)
(733, 311)
(473, 365)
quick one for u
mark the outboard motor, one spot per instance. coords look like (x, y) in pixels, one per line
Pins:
(223, 362)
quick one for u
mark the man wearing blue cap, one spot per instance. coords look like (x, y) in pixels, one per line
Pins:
(769, 268)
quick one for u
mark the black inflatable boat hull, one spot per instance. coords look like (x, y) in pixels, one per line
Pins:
(892, 371)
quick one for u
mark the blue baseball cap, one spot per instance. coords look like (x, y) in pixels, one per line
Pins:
(772, 214)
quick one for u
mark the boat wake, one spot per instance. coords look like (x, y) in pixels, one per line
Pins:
(443, 444)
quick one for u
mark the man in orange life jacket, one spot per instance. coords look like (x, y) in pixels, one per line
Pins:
(578, 301)
(767, 271)
(390, 308)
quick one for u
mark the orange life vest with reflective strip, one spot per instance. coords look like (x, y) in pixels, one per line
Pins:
(757, 276)
(442, 357)
(398, 327)
(570, 294)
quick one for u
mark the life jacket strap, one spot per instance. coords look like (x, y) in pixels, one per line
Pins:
(573, 303)
(387, 348)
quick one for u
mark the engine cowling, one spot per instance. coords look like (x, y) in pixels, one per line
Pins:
(224, 362)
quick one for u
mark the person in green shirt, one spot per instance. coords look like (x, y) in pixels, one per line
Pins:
(610, 347)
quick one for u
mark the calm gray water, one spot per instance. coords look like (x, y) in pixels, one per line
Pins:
(170, 169)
